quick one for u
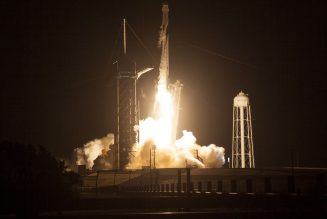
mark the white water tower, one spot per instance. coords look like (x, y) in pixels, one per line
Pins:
(242, 143)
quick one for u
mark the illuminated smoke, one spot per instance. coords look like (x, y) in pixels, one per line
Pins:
(87, 154)
(156, 134)
(103, 161)
(185, 152)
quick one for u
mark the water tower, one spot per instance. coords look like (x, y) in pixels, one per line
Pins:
(242, 143)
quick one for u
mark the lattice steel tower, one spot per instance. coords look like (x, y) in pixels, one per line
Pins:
(126, 121)
(242, 143)
(126, 115)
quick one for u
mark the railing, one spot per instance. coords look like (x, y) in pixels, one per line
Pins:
(186, 184)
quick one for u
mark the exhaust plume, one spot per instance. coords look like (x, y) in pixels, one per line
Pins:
(185, 152)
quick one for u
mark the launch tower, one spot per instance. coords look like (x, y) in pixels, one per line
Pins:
(127, 111)
(126, 121)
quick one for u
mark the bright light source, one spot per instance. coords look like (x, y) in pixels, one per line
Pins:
(140, 73)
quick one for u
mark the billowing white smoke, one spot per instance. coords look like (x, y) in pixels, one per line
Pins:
(156, 134)
(185, 152)
(209, 156)
(92, 150)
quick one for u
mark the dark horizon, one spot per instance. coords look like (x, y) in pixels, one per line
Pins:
(57, 84)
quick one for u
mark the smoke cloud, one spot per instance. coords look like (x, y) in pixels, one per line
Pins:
(95, 152)
(185, 152)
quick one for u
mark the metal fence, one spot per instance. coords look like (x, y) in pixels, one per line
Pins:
(200, 181)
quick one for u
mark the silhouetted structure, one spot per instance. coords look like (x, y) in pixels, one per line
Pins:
(126, 135)
(242, 144)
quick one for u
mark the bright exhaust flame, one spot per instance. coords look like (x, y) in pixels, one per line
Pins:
(169, 152)
(159, 130)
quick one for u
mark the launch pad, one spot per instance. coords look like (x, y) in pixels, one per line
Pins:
(200, 182)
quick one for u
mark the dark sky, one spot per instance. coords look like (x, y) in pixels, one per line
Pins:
(57, 79)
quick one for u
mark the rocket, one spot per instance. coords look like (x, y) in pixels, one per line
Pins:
(164, 45)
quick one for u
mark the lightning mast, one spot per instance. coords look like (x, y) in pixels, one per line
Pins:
(126, 120)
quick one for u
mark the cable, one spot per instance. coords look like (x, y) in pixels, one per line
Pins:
(115, 43)
(140, 41)
(220, 55)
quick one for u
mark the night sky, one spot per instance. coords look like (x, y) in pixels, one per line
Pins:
(57, 78)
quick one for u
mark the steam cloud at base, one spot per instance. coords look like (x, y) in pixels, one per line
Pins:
(185, 152)
(96, 153)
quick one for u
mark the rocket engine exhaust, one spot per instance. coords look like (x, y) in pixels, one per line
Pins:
(160, 132)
